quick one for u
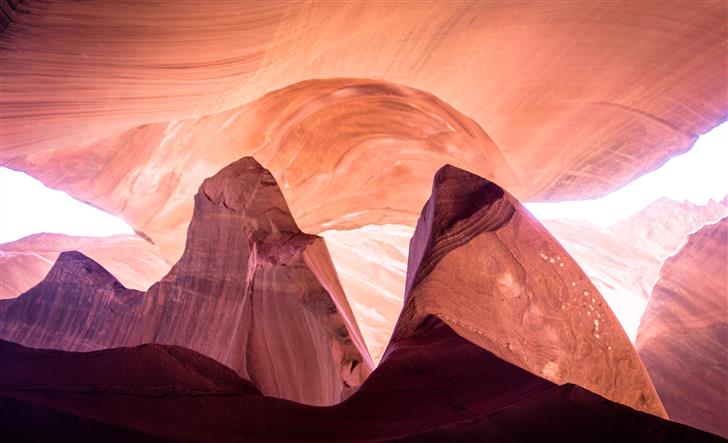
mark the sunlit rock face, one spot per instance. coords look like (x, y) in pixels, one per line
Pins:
(251, 291)
(346, 153)
(255, 293)
(576, 100)
(580, 98)
(484, 284)
(623, 260)
(662, 227)
(482, 264)
(372, 263)
(352, 107)
(135, 262)
(683, 338)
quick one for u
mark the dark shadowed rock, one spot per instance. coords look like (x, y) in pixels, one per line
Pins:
(433, 386)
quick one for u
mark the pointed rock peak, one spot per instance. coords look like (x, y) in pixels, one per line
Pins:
(462, 205)
(458, 194)
(250, 291)
(488, 269)
(80, 266)
(249, 190)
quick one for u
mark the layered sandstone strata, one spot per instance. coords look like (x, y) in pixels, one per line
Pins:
(683, 337)
(623, 260)
(251, 291)
(580, 98)
(483, 265)
(352, 106)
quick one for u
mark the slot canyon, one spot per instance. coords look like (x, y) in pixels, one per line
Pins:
(332, 224)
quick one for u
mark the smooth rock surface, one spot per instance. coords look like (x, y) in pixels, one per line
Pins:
(683, 337)
(581, 98)
(346, 152)
(251, 291)
(483, 265)
(573, 101)
(352, 106)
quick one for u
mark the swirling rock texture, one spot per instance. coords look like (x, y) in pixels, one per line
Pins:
(483, 265)
(251, 291)
(622, 261)
(661, 228)
(432, 386)
(478, 262)
(23, 263)
(683, 338)
(580, 98)
(352, 106)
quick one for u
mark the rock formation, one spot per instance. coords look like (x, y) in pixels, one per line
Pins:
(623, 260)
(661, 227)
(482, 264)
(352, 108)
(251, 291)
(131, 123)
(623, 272)
(432, 386)
(580, 98)
(683, 337)
(372, 263)
(525, 300)
(23, 263)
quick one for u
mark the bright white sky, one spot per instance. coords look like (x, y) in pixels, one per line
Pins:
(29, 207)
(698, 175)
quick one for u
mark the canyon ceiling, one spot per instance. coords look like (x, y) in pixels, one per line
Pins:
(352, 107)
(129, 106)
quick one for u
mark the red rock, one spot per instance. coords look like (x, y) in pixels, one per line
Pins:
(432, 386)
(525, 299)
(372, 264)
(524, 94)
(683, 337)
(438, 380)
(251, 291)
(374, 169)
(580, 98)
(623, 260)
(661, 228)
(135, 262)
(483, 265)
